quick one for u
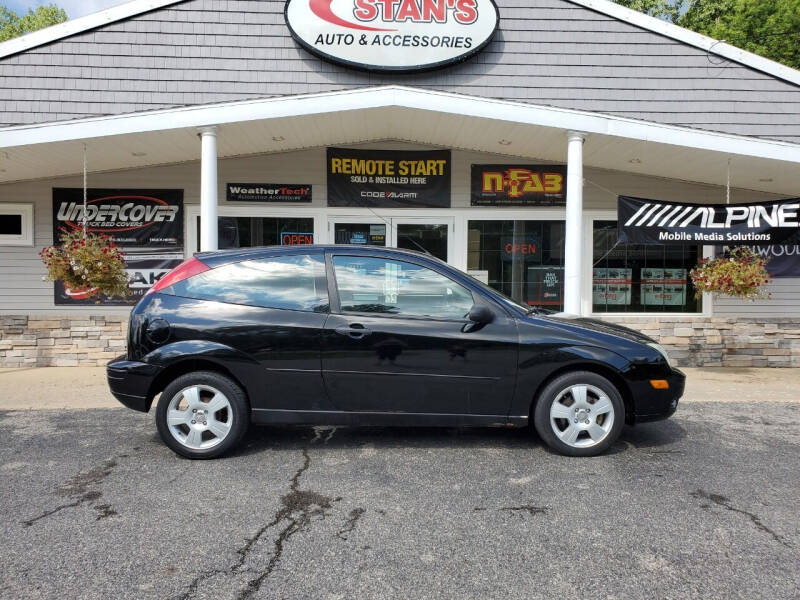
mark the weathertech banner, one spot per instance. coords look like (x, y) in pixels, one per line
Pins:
(131, 218)
(642, 221)
(389, 178)
(518, 185)
(268, 192)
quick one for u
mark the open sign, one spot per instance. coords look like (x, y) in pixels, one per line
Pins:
(296, 239)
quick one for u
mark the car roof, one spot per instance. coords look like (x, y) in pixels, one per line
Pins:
(219, 257)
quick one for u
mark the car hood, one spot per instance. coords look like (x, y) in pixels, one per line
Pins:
(598, 326)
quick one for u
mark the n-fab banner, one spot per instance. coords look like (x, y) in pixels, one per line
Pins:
(389, 178)
(131, 218)
(518, 185)
(642, 221)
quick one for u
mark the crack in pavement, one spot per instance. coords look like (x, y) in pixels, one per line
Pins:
(529, 508)
(298, 509)
(350, 525)
(78, 488)
(725, 503)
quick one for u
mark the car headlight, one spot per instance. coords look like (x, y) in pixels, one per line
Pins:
(660, 349)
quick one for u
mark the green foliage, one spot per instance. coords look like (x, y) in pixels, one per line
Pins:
(770, 28)
(13, 25)
(663, 9)
(741, 274)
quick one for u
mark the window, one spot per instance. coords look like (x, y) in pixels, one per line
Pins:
(16, 224)
(641, 277)
(288, 282)
(250, 232)
(522, 259)
(380, 285)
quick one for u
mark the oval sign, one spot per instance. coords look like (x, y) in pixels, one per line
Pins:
(393, 35)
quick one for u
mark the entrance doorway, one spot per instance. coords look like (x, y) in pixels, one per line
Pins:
(431, 235)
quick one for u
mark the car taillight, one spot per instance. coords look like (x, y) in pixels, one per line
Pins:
(188, 268)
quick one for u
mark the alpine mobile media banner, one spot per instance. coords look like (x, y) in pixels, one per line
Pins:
(389, 178)
(642, 221)
(147, 225)
(268, 192)
(518, 185)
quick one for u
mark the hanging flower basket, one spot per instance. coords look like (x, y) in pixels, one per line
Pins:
(87, 264)
(739, 274)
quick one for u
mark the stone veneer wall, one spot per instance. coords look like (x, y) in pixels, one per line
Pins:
(87, 340)
(723, 341)
(69, 341)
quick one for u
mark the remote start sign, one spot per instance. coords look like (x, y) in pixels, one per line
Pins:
(393, 35)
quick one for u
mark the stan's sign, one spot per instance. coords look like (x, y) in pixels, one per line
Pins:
(392, 35)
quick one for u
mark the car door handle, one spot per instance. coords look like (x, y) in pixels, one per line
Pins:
(354, 330)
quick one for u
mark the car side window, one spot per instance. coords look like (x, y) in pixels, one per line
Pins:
(382, 285)
(295, 282)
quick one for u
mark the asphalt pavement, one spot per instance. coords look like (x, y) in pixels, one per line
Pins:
(704, 505)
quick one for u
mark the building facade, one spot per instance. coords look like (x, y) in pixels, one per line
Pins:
(506, 161)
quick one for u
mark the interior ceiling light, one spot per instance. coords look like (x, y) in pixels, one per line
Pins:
(278, 138)
(635, 161)
(138, 154)
(504, 142)
(766, 180)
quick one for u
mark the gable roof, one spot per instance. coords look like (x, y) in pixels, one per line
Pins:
(617, 11)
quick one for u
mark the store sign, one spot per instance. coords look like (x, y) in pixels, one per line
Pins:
(144, 270)
(131, 218)
(268, 192)
(389, 178)
(392, 35)
(518, 185)
(612, 286)
(546, 286)
(147, 225)
(642, 221)
(296, 239)
(663, 287)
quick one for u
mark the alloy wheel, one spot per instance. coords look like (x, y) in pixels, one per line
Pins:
(582, 416)
(199, 417)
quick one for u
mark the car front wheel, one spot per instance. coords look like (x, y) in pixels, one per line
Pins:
(579, 414)
(202, 414)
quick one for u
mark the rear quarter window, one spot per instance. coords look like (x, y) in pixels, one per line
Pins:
(294, 282)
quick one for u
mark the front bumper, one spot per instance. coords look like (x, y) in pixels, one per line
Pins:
(653, 405)
(131, 381)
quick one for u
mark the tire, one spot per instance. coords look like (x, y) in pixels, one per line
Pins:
(202, 415)
(592, 420)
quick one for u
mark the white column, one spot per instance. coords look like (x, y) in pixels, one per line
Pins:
(574, 252)
(208, 189)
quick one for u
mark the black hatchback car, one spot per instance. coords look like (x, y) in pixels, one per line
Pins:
(348, 335)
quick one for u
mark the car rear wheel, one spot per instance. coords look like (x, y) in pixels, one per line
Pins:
(579, 414)
(202, 414)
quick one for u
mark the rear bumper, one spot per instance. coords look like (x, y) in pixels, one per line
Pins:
(654, 405)
(131, 381)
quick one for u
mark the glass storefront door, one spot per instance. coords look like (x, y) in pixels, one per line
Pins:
(431, 235)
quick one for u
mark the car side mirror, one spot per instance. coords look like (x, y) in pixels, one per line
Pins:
(480, 314)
